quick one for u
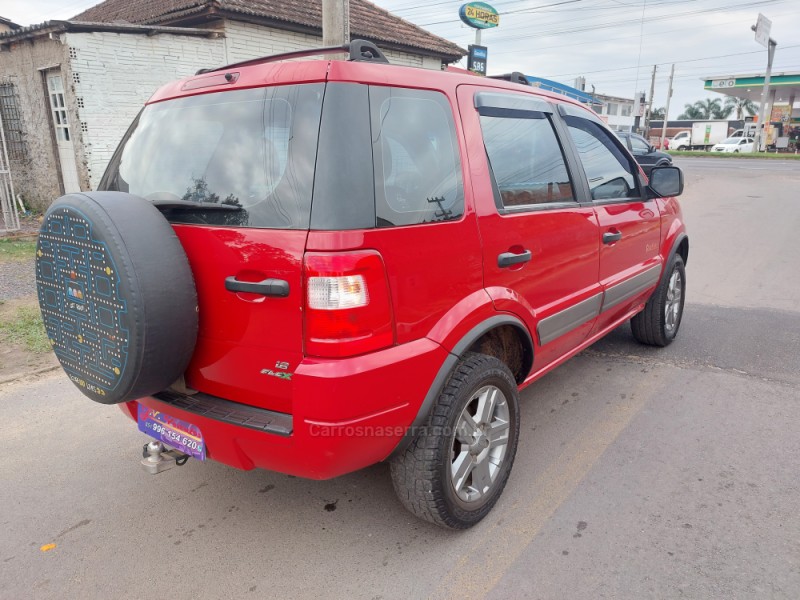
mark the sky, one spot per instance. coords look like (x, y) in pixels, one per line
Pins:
(614, 44)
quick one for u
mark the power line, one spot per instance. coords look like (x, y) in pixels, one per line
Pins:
(655, 33)
(612, 24)
(666, 62)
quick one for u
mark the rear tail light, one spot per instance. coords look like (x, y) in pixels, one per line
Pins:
(348, 310)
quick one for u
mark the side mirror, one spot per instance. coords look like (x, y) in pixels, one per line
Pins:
(666, 182)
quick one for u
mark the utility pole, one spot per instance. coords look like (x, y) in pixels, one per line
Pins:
(761, 130)
(649, 112)
(666, 110)
(335, 22)
(762, 29)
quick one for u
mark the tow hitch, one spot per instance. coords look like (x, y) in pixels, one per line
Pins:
(157, 458)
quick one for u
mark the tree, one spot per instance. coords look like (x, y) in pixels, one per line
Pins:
(657, 114)
(705, 109)
(691, 112)
(740, 105)
(711, 108)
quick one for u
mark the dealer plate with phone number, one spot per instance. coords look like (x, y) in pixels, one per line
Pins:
(174, 432)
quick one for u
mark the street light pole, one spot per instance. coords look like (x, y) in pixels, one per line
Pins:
(762, 29)
(761, 129)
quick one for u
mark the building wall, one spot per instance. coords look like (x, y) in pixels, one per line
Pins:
(118, 72)
(109, 76)
(36, 177)
(616, 120)
(114, 74)
(246, 40)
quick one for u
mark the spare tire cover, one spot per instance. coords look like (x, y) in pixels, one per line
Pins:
(117, 295)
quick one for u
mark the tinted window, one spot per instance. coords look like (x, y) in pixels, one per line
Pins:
(606, 166)
(526, 161)
(638, 145)
(417, 167)
(252, 149)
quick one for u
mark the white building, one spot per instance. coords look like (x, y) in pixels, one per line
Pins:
(617, 112)
(71, 88)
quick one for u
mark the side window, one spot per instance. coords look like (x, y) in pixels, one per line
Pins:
(417, 166)
(639, 146)
(607, 168)
(526, 160)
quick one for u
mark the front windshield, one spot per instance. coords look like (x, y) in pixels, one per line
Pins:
(731, 140)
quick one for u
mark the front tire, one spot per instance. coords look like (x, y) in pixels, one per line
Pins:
(455, 470)
(658, 323)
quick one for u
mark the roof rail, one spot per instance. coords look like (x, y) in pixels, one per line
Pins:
(513, 77)
(359, 50)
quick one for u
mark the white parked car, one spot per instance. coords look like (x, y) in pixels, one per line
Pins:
(735, 144)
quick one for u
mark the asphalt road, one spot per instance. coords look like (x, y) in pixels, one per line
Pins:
(641, 473)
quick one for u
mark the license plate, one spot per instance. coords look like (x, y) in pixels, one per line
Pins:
(174, 432)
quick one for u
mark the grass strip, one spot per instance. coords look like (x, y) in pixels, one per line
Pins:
(16, 250)
(24, 328)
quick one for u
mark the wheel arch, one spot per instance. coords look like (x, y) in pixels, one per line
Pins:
(680, 246)
(501, 336)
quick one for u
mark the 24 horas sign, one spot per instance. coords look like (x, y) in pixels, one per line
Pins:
(479, 15)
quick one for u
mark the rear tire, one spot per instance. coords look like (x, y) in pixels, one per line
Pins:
(455, 470)
(658, 323)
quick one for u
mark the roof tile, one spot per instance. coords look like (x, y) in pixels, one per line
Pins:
(366, 19)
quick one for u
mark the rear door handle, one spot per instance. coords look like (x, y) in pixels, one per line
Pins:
(506, 259)
(268, 287)
(610, 238)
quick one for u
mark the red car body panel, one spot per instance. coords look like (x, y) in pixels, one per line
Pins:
(638, 250)
(353, 413)
(443, 279)
(242, 332)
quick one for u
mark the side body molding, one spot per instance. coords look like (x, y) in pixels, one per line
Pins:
(630, 288)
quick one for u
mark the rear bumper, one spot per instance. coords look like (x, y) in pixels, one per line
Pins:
(348, 414)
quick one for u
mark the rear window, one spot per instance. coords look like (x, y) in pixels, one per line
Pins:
(252, 149)
(417, 169)
(345, 156)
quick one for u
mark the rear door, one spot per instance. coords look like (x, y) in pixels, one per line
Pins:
(629, 223)
(540, 244)
(237, 168)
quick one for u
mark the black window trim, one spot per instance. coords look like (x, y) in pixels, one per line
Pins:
(525, 104)
(567, 110)
(502, 105)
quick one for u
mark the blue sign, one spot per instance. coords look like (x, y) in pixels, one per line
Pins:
(476, 60)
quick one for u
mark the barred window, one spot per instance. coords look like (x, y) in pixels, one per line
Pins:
(12, 122)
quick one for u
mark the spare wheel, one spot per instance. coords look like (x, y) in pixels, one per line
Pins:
(117, 295)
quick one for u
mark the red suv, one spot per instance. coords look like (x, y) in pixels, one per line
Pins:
(313, 266)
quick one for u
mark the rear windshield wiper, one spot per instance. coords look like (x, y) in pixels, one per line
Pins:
(190, 205)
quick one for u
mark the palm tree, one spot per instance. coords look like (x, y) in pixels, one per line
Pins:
(691, 112)
(705, 109)
(711, 109)
(740, 105)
